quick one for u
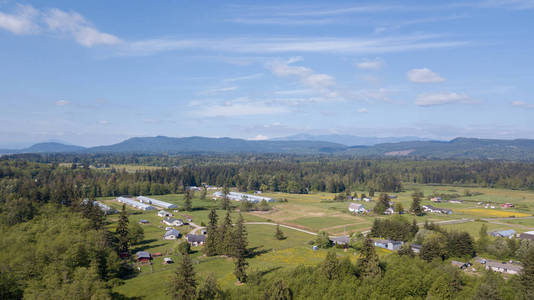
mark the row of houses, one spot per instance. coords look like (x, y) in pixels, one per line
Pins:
(242, 196)
(432, 209)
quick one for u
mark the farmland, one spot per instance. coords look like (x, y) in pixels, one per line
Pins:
(312, 212)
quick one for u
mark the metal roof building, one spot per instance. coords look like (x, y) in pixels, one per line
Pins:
(240, 196)
(136, 204)
(156, 202)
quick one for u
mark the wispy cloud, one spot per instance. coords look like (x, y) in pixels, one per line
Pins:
(316, 81)
(247, 77)
(424, 75)
(22, 21)
(76, 26)
(61, 102)
(259, 137)
(27, 20)
(239, 108)
(523, 104)
(214, 91)
(432, 99)
(283, 21)
(373, 65)
(295, 45)
(362, 110)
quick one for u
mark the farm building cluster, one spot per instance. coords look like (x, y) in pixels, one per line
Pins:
(437, 210)
(144, 203)
(242, 196)
(103, 207)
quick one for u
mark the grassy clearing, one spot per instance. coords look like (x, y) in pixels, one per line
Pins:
(493, 213)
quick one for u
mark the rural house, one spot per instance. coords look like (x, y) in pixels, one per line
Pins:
(340, 240)
(357, 208)
(172, 234)
(196, 239)
(173, 222)
(163, 214)
(502, 267)
(529, 235)
(388, 244)
(142, 256)
(503, 233)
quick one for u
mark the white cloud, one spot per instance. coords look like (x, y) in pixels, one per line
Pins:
(247, 77)
(373, 65)
(103, 122)
(523, 104)
(23, 21)
(259, 137)
(431, 99)
(362, 110)
(62, 102)
(78, 27)
(219, 90)
(295, 45)
(424, 75)
(240, 108)
(316, 81)
(28, 20)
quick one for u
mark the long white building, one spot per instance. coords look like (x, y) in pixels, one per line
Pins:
(136, 204)
(155, 202)
(105, 208)
(240, 196)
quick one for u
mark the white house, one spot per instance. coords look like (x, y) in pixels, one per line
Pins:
(196, 239)
(172, 234)
(173, 222)
(163, 214)
(389, 211)
(357, 208)
(367, 199)
(508, 268)
(388, 244)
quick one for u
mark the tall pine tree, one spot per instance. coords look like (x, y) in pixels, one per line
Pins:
(211, 247)
(187, 197)
(368, 263)
(279, 235)
(527, 274)
(122, 232)
(225, 236)
(240, 250)
(416, 206)
(183, 284)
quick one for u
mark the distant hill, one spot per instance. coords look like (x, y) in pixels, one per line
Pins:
(171, 145)
(459, 148)
(349, 140)
(50, 147)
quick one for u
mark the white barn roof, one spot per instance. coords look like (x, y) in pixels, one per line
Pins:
(156, 202)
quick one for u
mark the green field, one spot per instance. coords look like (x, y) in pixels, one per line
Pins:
(312, 212)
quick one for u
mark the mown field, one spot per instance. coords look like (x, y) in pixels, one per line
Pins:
(313, 212)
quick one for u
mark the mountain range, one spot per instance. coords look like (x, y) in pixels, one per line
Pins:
(349, 140)
(459, 148)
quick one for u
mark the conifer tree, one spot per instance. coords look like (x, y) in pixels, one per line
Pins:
(382, 204)
(240, 250)
(209, 289)
(183, 284)
(203, 193)
(330, 267)
(240, 238)
(211, 247)
(527, 274)
(489, 287)
(278, 291)
(416, 206)
(414, 229)
(225, 236)
(368, 263)
(279, 235)
(122, 231)
(187, 197)
(483, 240)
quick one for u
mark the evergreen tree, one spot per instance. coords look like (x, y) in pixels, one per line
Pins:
(225, 204)
(240, 238)
(406, 249)
(187, 200)
(483, 238)
(264, 206)
(240, 269)
(414, 229)
(225, 236)
(122, 231)
(330, 267)
(322, 240)
(416, 208)
(203, 193)
(209, 289)
(278, 291)
(368, 263)
(527, 274)
(488, 289)
(211, 247)
(279, 235)
(382, 204)
(183, 284)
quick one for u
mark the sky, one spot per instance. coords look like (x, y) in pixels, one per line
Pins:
(98, 72)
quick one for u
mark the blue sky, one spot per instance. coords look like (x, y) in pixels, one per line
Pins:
(97, 72)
